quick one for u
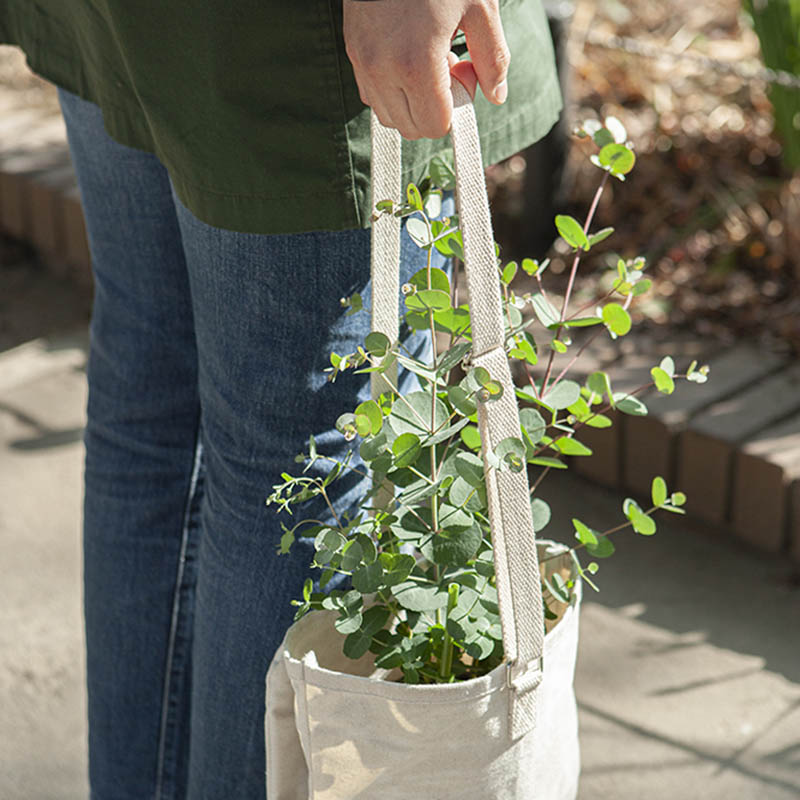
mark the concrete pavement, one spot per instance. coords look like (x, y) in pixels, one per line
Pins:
(689, 669)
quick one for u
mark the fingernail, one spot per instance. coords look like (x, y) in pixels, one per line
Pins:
(501, 92)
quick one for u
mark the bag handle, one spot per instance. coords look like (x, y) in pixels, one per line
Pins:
(515, 556)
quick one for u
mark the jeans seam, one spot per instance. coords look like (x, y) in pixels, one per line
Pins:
(175, 619)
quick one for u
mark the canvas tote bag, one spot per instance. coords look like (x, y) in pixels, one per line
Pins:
(336, 729)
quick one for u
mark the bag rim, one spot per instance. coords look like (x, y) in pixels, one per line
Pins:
(307, 670)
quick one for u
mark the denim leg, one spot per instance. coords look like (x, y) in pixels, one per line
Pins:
(267, 316)
(206, 378)
(142, 471)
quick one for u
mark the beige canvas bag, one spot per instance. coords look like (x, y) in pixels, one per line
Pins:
(335, 728)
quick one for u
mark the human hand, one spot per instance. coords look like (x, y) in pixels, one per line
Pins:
(401, 57)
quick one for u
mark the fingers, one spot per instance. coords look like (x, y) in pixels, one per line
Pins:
(488, 49)
(464, 73)
(402, 61)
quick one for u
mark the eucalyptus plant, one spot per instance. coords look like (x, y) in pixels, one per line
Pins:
(417, 553)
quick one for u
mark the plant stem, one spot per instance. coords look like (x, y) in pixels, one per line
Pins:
(446, 661)
(572, 274)
(615, 529)
(330, 505)
(577, 355)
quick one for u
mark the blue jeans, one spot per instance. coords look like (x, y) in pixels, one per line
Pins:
(205, 380)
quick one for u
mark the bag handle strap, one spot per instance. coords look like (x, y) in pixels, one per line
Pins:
(515, 556)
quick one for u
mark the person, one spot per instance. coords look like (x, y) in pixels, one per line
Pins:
(222, 154)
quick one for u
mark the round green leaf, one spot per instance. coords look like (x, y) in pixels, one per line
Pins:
(461, 401)
(562, 395)
(599, 421)
(511, 452)
(368, 578)
(420, 597)
(471, 437)
(572, 447)
(438, 280)
(356, 644)
(617, 159)
(571, 232)
(533, 424)
(544, 310)
(628, 404)
(406, 449)
(509, 272)
(371, 410)
(329, 539)
(349, 623)
(419, 232)
(678, 498)
(373, 447)
(351, 555)
(470, 468)
(456, 546)
(663, 381)
(411, 413)
(599, 383)
(377, 344)
(541, 514)
(428, 300)
(617, 319)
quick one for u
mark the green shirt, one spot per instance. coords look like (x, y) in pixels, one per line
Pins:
(252, 104)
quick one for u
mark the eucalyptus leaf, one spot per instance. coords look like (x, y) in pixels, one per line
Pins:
(377, 344)
(509, 272)
(428, 300)
(544, 310)
(541, 514)
(562, 394)
(368, 578)
(461, 401)
(420, 597)
(372, 412)
(457, 545)
(411, 413)
(571, 232)
(471, 437)
(658, 491)
(628, 404)
(406, 448)
(662, 380)
(617, 319)
(572, 447)
(470, 468)
(419, 231)
(533, 424)
(431, 279)
(452, 357)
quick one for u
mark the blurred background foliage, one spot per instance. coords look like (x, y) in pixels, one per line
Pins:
(714, 202)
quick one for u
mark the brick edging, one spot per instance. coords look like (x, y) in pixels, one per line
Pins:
(741, 473)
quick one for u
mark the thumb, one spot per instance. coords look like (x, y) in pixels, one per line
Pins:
(487, 47)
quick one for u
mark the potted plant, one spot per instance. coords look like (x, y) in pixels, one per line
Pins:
(417, 552)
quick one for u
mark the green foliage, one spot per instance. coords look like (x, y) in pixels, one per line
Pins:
(422, 595)
(777, 23)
